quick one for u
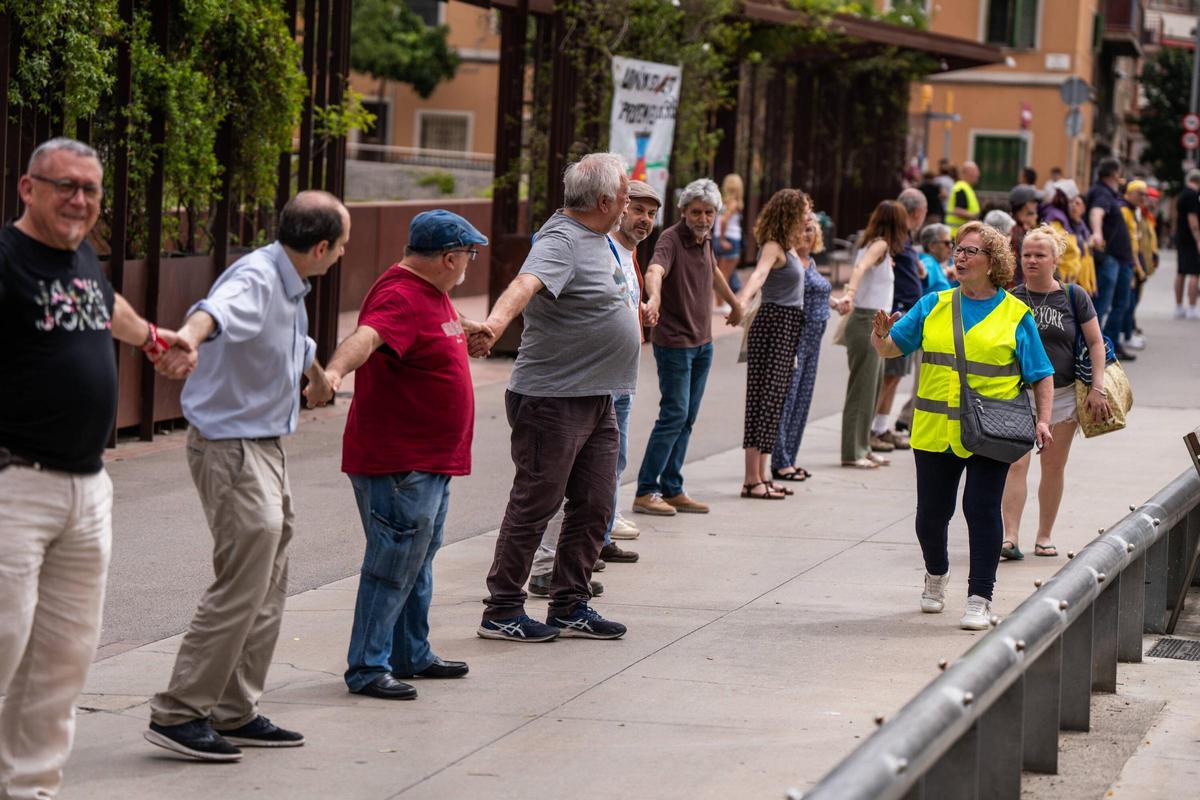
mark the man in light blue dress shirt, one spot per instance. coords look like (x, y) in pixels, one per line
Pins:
(251, 337)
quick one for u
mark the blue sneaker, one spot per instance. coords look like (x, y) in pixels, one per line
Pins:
(585, 623)
(516, 629)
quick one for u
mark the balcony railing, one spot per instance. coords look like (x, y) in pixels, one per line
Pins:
(1124, 22)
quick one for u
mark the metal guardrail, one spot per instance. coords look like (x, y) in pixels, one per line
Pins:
(420, 156)
(998, 709)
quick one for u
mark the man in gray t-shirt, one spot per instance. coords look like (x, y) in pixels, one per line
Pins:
(579, 347)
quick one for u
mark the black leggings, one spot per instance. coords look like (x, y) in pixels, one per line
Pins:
(938, 476)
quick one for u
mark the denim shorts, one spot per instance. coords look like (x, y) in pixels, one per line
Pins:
(733, 251)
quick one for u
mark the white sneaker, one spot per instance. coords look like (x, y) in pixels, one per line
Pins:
(1180, 312)
(624, 529)
(1193, 312)
(1136, 342)
(933, 599)
(978, 616)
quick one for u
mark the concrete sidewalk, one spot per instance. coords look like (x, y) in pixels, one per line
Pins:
(763, 640)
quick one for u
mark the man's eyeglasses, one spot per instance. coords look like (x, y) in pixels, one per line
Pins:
(65, 188)
(946, 241)
(471, 252)
(969, 251)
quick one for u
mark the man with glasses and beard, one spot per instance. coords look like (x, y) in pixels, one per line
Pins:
(408, 432)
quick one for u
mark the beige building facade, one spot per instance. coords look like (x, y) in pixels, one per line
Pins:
(460, 115)
(1013, 115)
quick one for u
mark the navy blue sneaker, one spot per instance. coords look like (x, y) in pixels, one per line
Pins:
(195, 739)
(516, 629)
(585, 623)
(261, 732)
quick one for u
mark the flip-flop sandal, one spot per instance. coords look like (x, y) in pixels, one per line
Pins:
(862, 463)
(795, 476)
(769, 494)
(775, 487)
(1045, 550)
(1010, 552)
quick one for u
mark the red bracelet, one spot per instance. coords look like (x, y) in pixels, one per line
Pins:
(155, 346)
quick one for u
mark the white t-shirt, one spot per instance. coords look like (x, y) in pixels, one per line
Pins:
(631, 281)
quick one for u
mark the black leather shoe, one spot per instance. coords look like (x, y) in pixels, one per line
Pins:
(442, 669)
(386, 687)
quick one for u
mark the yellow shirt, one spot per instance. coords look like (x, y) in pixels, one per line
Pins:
(1076, 266)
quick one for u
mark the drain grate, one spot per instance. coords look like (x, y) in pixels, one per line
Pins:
(1183, 649)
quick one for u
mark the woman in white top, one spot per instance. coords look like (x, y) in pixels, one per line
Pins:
(869, 290)
(727, 233)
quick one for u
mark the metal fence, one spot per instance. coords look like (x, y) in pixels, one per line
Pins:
(998, 709)
(421, 156)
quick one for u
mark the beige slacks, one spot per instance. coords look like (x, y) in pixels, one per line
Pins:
(55, 541)
(222, 664)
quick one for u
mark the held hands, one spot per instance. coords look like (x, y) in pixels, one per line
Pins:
(843, 305)
(734, 317)
(178, 360)
(481, 340)
(1096, 240)
(882, 322)
(650, 312)
(318, 392)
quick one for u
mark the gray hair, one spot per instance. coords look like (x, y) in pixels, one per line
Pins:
(594, 176)
(1193, 177)
(1000, 220)
(933, 233)
(60, 143)
(703, 189)
(912, 199)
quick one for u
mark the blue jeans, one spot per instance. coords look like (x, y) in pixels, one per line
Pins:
(402, 517)
(1107, 269)
(1122, 297)
(622, 404)
(682, 374)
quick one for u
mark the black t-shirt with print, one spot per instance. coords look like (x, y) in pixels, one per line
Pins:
(1057, 319)
(58, 361)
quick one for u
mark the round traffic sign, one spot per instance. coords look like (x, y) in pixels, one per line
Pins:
(1190, 140)
(1191, 122)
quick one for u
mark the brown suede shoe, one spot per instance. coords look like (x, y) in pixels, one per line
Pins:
(685, 505)
(653, 504)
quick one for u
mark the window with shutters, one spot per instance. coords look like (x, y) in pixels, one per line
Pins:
(1012, 23)
(1000, 159)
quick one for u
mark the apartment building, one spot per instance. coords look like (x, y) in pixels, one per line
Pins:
(1013, 114)
(460, 115)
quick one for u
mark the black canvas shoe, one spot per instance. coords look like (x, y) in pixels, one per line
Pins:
(261, 732)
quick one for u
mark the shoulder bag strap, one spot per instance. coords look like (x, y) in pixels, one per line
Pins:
(960, 350)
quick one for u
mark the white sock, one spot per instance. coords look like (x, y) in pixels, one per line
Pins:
(880, 425)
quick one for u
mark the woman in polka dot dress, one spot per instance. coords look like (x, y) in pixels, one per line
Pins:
(774, 334)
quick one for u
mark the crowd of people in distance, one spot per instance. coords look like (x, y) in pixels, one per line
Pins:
(943, 288)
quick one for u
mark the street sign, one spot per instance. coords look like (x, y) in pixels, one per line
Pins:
(1191, 122)
(1074, 122)
(1075, 91)
(1190, 140)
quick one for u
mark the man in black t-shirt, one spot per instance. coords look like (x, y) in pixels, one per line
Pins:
(58, 319)
(1187, 236)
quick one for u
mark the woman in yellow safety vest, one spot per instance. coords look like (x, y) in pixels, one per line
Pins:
(1002, 350)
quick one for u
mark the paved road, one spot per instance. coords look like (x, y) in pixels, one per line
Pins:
(162, 547)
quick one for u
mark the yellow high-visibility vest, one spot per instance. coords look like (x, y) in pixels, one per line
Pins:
(990, 348)
(952, 219)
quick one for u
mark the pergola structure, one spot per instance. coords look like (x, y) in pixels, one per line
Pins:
(783, 97)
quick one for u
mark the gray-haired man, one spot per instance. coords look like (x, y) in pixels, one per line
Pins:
(579, 348)
(679, 287)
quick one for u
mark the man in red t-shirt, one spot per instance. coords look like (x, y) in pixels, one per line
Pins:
(409, 430)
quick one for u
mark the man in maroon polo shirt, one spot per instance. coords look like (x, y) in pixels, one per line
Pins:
(409, 430)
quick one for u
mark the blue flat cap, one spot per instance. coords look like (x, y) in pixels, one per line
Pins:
(438, 230)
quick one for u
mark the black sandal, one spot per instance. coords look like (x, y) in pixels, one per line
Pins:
(748, 492)
(781, 489)
(797, 475)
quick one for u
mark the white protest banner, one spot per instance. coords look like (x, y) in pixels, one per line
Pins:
(645, 95)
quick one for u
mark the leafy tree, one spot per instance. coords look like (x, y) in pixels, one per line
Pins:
(390, 42)
(1167, 81)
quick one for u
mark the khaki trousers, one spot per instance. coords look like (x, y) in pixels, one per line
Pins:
(55, 540)
(222, 664)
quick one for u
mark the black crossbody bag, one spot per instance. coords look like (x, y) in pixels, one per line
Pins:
(1003, 430)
